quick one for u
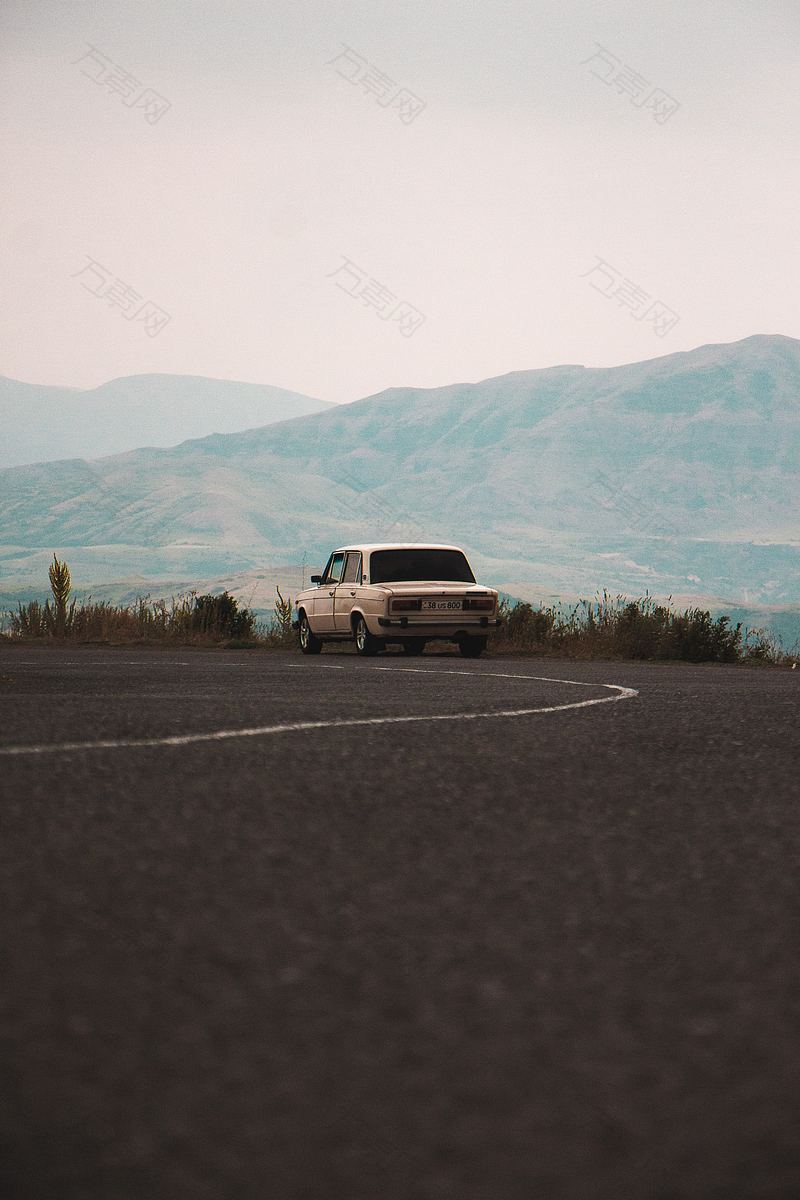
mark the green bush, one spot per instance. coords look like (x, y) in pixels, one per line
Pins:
(48, 620)
(221, 617)
(30, 620)
(185, 618)
(616, 627)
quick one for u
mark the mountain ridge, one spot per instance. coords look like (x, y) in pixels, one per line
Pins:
(680, 473)
(45, 423)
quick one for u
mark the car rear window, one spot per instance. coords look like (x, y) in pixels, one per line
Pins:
(396, 566)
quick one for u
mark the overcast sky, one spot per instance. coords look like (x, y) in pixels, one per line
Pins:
(543, 181)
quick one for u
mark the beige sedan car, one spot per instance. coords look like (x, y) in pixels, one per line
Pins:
(403, 592)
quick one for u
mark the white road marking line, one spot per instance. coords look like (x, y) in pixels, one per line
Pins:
(316, 666)
(219, 735)
(496, 674)
(123, 662)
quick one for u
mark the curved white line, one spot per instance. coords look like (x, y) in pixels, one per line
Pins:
(219, 735)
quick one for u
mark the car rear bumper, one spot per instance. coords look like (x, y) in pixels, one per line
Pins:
(439, 627)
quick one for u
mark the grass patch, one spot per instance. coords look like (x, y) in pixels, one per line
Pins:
(184, 620)
(608, 627)
(619, 628)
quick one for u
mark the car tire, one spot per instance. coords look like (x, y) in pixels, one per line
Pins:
(472, 645)
(309, 642)
(366, 644)
(414, 646)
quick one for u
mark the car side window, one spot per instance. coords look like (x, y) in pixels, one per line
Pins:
(334, 572)
(352, 570)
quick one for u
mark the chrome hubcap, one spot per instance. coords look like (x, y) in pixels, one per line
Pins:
(303, 632)
(360, 635)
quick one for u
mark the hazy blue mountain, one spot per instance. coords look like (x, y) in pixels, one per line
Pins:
(44, 423)
(678, 475)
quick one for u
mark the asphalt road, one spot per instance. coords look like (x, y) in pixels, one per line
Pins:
(551, 954)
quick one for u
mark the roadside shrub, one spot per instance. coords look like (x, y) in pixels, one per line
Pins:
(760, 646)
(529, 626)
(185, 618)
(221, 617)
(30, 620)
(48, 620)
(617, 627)
(606, 627)
(279, 632)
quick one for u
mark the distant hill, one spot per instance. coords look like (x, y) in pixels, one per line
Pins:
(41, 424)
(680, 475)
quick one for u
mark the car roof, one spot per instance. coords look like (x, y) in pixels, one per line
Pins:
(367, 547)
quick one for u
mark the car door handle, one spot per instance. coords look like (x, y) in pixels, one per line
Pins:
(333, 593)
(352, 593)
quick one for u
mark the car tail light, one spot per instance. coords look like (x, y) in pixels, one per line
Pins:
(481, 603)
(405, 604)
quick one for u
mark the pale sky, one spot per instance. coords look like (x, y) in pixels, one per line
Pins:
(486, 210)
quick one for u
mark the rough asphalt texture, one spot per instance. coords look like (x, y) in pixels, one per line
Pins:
(544, 956)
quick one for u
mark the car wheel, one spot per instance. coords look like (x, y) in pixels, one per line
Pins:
(472, 645)
(309, 642)
(414, 646)
(366, 644)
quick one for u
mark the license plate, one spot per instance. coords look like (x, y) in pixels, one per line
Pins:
(442, 605)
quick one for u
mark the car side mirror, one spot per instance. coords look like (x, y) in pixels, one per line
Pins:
(316, 579)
